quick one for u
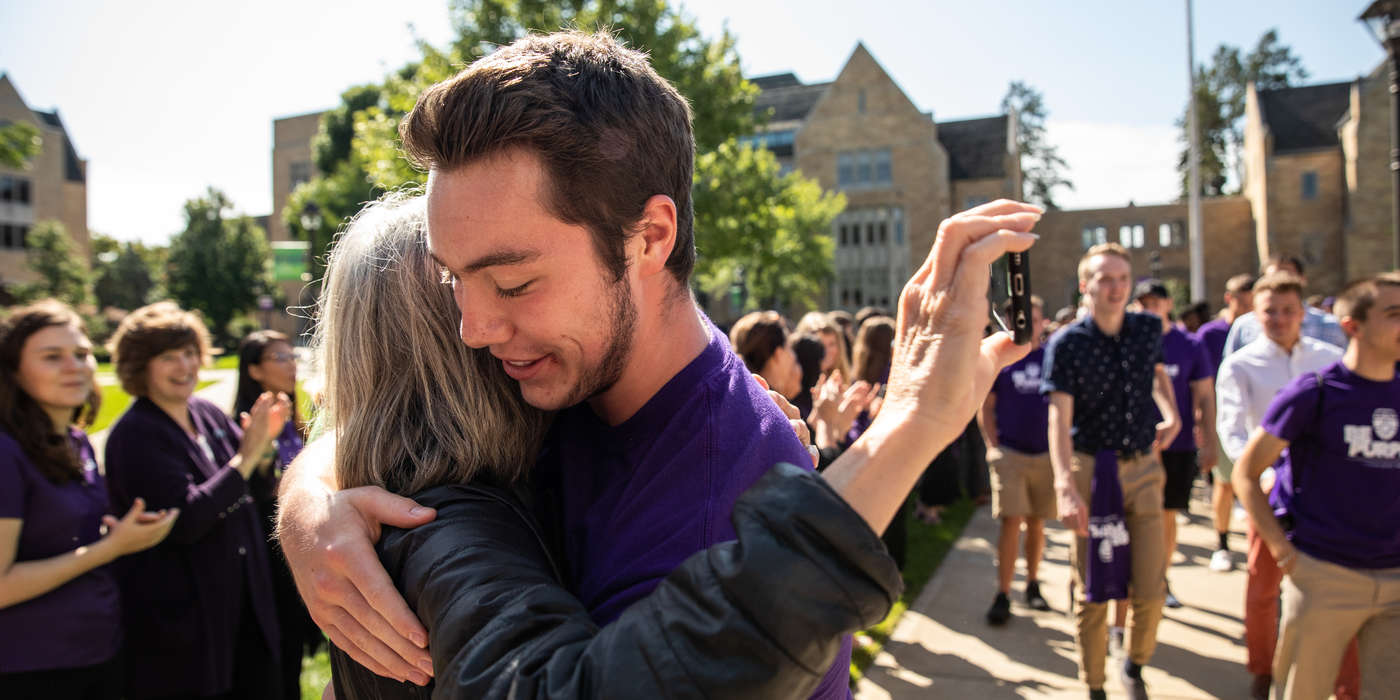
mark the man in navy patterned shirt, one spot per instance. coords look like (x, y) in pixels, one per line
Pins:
(1104, 373)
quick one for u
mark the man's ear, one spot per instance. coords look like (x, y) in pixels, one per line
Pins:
(1349, 325)
(655, 237)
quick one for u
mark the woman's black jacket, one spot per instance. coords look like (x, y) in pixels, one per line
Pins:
(760, 617)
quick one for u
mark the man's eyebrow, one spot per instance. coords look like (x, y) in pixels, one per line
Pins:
(501, 257)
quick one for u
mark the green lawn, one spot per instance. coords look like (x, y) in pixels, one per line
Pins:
(315, 674)
(927, 545)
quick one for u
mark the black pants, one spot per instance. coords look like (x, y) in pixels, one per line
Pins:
(98, 682)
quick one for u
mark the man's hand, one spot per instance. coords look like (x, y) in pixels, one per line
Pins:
(328, 538)
(942, 312)
(1166, 433)
(1073, 512)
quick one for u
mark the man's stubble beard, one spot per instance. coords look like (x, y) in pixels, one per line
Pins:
(622, 326)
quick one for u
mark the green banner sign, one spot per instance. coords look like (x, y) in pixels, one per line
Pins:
(288, 261)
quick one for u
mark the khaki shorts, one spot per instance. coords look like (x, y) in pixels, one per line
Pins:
(1223, 466)
(1022, 485)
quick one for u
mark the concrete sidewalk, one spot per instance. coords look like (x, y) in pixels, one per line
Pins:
(944, 648)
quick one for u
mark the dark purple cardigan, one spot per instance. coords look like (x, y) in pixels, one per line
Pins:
(181, 599)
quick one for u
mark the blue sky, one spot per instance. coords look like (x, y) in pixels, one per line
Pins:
(165, 98)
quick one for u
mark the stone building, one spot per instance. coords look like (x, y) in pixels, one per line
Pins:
(902, 172)
(1316, 185)
(52, 186)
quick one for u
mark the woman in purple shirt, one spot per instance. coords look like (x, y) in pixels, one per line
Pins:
(197, 609)
(60, 617)
(266, 363)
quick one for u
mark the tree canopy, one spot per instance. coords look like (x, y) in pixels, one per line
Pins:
(1221, 88)
(1042, 168)
(54, 256)
(219, 264)
(19, 142)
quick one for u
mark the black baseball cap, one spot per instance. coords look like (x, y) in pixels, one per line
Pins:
(1151, 287)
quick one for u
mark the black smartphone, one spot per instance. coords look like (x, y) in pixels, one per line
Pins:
(1011, 292)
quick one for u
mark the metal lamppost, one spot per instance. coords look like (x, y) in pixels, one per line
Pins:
(1383, 19)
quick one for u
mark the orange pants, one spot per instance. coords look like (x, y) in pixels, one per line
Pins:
(1261, 621)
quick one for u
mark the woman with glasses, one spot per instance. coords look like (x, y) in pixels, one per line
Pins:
(266, 363)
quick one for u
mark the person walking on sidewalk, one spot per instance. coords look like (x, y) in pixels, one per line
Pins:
(1193, 384)
(1103, 374)
(1249, 380)
(1239, 302)
(1013, 418)
(1333, 521)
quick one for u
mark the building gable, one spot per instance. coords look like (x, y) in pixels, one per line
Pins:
(863, 87)
(977, 148)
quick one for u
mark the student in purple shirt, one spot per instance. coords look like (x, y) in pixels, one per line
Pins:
(559, 210)
(60, 614)
(1193, 384)
(1333, 519)
(198, 608)
(1014, 423)
(1239, 301)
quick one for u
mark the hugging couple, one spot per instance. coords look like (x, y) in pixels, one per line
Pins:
(542, 471)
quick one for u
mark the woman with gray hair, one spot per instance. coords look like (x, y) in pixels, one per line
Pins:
(410, 408)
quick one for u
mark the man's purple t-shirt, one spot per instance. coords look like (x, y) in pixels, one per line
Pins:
(1186, 361)
(1022, 411)
(635, 500)
(1212, 334)
(78, 623)
(1339, 479)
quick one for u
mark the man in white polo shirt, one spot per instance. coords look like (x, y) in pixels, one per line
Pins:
(1249, 379)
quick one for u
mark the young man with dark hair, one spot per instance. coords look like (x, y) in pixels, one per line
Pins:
(559, 210)
(1104, 374)
(1239, 301)
(1014, 419)
(1333, 520)
(1316, 324)
(1248, 380)
(1193, 384)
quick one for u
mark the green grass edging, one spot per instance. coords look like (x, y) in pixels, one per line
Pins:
(925, 549)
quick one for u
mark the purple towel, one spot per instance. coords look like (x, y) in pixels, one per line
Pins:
(1110, 565)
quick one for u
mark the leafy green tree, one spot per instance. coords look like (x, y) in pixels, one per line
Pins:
(219, 264)
(1042, 168)
(19, 142)
(358, 150)
(1221, 88)
(126, 275)
(63, 273)
(738, 192)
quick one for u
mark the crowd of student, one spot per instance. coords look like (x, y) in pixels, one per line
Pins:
(1123, 353)
(647, 543)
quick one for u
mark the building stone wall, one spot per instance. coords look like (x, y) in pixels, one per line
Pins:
(970, 193)
(865, 109)
(53, 196)
(1228, 228)
(1308, 228)
(1366, 147)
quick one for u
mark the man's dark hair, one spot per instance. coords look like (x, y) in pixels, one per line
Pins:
(1240, 283)
(1357, 299)
(1281, 259)
(609, 131)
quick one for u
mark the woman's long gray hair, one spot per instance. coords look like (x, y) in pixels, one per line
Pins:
(411, 405)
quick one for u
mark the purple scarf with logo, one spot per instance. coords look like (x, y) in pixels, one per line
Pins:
(1110, 564)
